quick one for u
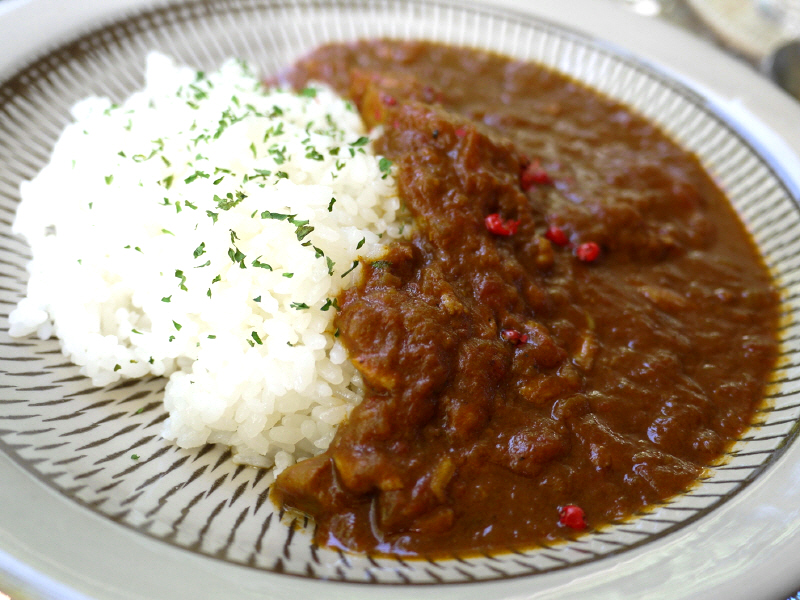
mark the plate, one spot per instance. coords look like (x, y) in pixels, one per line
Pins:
(78, 518)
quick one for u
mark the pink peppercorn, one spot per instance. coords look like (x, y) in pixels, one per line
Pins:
(572, 516)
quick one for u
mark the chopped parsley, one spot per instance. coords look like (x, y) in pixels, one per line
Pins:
(355, 264)
(314, 155)
(276, 216)
(385, 165)
(237, 256)
(229, 201)
(303, 229)
(330, 302)
(263, 173)
(195, 175)
(261, 265)
(179, 274)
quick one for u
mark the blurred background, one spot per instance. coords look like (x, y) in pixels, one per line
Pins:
(763, 33)
(749, 28)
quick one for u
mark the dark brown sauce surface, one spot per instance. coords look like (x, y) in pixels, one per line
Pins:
(508, 378)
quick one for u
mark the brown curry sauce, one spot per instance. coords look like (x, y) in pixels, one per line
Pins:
(597, 343)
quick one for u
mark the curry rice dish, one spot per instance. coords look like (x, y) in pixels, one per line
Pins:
(574, 327)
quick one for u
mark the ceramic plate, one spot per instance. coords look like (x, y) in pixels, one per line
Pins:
(80, 517)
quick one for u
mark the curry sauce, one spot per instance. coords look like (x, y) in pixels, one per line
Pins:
(579, 326)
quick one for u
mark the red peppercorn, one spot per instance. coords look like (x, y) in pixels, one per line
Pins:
(533, 174)
(460, 132)
(556, 235)
(587, 252)
(496, 225)
(514, 337)
(572, 516)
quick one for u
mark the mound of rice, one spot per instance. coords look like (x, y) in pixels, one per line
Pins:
(202, 231)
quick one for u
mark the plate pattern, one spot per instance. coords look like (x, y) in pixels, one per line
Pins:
(101, 448)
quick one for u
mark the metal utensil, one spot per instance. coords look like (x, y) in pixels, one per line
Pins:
(782, 66)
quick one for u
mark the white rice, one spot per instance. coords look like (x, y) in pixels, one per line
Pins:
(172, 235)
